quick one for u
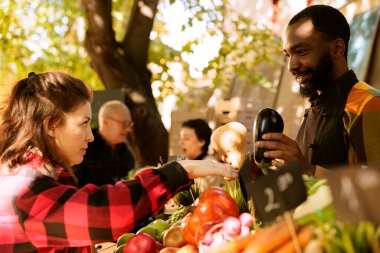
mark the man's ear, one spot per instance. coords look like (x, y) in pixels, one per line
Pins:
(338, 48)
(103, 121)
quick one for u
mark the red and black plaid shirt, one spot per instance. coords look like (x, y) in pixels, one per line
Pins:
(39, 213)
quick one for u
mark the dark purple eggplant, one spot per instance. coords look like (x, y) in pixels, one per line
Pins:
(267, 121)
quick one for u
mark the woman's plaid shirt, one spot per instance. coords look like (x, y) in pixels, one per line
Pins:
(39, 213)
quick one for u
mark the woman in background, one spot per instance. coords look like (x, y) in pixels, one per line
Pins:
(195, 136)
(45, 129)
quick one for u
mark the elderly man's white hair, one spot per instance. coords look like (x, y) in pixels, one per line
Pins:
(109, 108)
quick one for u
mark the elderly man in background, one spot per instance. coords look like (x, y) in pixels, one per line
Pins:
(108, 158)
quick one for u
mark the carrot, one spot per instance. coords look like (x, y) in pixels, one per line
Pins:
(269, 239)
(233, 246)
(304, 236)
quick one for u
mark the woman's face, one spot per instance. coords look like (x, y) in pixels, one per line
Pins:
(72, 137)
(190, 145)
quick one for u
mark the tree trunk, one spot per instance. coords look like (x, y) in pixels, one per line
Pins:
(123, 65)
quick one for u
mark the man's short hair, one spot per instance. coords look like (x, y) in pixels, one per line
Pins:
(327, 20)
(110, 107)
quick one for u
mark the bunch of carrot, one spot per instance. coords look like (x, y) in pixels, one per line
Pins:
(276, 238)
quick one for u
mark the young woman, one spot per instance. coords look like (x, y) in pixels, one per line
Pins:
(194, 141)
(45, 129)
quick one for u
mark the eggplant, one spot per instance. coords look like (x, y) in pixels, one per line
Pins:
(267, 121)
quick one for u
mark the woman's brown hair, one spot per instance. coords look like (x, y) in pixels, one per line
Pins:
(35, 104)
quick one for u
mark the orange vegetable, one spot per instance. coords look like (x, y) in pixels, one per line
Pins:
(304, 236)
(269, 238)
(234, 246)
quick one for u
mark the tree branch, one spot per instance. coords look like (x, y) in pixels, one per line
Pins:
(99, 29)
(136, 41)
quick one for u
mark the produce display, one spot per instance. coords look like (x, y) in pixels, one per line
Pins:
(216, 226)
(220, 220)
(213, 207)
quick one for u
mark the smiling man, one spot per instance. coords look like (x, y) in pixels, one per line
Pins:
(340, 126)
(108, 158)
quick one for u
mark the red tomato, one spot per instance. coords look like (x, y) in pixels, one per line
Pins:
(214, 206)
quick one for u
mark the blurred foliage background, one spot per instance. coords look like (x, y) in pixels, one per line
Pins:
(194, 47)
(40, 35)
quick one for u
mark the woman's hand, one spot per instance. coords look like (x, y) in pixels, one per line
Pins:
(281, 147)
(202, 168)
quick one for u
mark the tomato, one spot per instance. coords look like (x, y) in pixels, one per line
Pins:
(215, 204)
(187, 230)
(209, 210)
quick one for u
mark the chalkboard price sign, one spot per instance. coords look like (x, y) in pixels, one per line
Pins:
(355, 192)
(278, 192)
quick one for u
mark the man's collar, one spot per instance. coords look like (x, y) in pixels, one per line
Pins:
(337, 88)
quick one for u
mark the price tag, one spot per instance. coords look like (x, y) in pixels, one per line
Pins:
(355, 192)
(277, 192)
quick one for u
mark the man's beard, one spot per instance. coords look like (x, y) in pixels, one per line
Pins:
(320, 77)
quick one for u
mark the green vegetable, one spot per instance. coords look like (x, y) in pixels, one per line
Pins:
(186, 198)
(233, 188)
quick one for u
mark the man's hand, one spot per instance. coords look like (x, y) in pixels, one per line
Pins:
(283, 149)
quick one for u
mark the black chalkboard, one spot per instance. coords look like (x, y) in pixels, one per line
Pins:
(278, 192)
(275, 193)
(355, 192)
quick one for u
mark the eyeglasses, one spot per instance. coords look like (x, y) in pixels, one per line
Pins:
(124, 124)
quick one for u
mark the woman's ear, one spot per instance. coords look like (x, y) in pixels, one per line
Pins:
(202, 143)
(50, 127)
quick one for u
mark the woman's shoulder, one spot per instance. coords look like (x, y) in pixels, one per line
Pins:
(33, 165)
